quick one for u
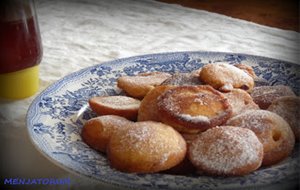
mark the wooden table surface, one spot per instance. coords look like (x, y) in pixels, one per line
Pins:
(282, 14)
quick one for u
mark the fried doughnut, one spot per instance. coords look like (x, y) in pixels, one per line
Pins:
(240, 101)
(115, 105)
(146, 148)
(226, 150)
(272, 130)
(288, 108)
(180, 79)
(148, 110)
(97, 131)
(138, 86)
(225, 77)
(263, 96)
(192, 109)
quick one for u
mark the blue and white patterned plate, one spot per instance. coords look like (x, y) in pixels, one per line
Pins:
(56, 116)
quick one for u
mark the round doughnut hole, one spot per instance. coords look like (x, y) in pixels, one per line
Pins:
(276, 135)
(245, 87)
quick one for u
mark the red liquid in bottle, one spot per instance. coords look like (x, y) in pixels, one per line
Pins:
(20, 45)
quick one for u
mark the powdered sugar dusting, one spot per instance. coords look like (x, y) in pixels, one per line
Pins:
(169, 103)
(120, 102)
(140, 134)
(149, 139)
(195, 119)
(272, 130)
(240, 101)
(265, 95)
(226, 149)
(200, 99)
(226, 76)
(173, 104)
(155, 78)
(252, 119)
(111, 121)
(193, 108)
(237, 76)
(180, 79)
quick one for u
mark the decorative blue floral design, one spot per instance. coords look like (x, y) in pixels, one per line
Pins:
(234, 58)
(101, 70)
(278, 72)
(40, 128)
(56, 117)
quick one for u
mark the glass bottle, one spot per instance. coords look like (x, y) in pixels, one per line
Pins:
(20, 49)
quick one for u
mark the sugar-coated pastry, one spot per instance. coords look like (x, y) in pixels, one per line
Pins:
(192, 109)
(263, 96)
(219, 120)
(227, 151)
(288, 108)
(146, 148)
(272, 130)
(225, 77)
(148, 110)
(180, 79)
(115, 105)
(139, 85)
(240, 101)
(97, 131)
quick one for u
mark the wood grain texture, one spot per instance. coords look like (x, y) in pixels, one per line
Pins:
(282, 14)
